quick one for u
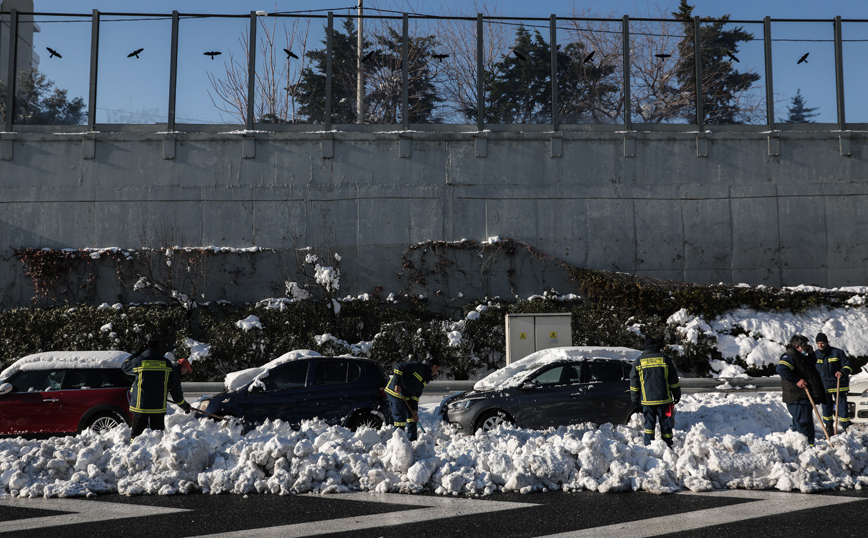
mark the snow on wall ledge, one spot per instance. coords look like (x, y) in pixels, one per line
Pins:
(735, 214)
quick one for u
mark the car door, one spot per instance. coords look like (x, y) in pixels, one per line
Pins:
(552, 397)
(35, 404)
(285, 396)
(84, 389)
(607, 392)
(333, 394)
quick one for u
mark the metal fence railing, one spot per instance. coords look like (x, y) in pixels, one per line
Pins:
(317, 71)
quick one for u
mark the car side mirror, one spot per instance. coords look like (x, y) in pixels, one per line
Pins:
(529, 385)
(5, 388)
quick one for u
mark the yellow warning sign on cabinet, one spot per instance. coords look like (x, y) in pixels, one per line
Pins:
(553, 335)
(522, 336)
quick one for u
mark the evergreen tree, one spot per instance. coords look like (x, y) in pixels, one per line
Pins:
(798, 112)
(38, 102)
(722, 83)
(383, 79)
(518, 89)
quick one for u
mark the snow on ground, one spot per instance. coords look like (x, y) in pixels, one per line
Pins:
(722, 441)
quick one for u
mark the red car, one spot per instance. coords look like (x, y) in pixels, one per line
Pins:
(60, 392)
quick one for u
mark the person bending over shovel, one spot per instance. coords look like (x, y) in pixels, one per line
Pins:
(800, 382)
(404, 389)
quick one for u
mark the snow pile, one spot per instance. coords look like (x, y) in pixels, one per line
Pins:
(67, 359)
(514, 374)
(759, 338)
(721, 442)
(239, 379)
(250, 322)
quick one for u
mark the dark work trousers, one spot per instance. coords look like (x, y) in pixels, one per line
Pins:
(401, 416)
(829, 412)
(803, 419)
(654, 414)
(154, 421)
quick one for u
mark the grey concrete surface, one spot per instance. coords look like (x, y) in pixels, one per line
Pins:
(736, 214)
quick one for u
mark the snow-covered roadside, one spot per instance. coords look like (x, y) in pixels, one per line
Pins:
(731, 441)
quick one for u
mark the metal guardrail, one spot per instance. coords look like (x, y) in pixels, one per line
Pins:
(688, 385)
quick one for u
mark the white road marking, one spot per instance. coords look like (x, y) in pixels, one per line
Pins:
(765, 503)
(430, 508)
(79, 511)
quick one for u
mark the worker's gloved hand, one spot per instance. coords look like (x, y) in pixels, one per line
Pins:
(185, 406)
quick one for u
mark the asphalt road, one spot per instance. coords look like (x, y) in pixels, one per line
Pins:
(740, 513)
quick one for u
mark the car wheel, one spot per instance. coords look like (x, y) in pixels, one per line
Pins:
(492, 419)
(633, 410)
(366, 418)
(103, 422)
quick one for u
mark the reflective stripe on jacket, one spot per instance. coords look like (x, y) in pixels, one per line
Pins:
(411, 377)
(654, 380)
(155, 377)
(829, 362)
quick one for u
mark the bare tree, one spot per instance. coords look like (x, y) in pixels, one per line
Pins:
(278, 70)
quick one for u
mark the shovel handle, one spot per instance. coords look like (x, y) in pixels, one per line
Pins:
(823, 425)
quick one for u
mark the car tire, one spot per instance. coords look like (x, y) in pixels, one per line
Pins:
(365, 418)
(490, 420)
(103, 422)
(635, 408)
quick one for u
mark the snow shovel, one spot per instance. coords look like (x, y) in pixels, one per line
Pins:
(822, 425)
(415, 416)
(837, 399)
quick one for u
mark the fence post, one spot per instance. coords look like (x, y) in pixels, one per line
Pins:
(94, 67)
(11, 79)
(770, 90)
(554, 46)
(480, 85)
(405, 75)
(173, 72)
(251, 73)
(625, 38)
(328, 87)
(839, 74)
(697, 61)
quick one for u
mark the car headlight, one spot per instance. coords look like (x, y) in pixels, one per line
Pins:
(462, 405)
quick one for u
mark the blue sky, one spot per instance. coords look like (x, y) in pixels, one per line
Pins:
(136, 90)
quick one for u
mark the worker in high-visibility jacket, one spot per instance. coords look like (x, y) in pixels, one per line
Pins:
(155, 377)
(404, 389)
(654, 384)
(834, 367)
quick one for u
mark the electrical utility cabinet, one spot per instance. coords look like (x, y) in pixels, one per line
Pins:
(526, 333)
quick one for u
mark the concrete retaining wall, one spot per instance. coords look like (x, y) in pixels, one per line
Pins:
(733, 206)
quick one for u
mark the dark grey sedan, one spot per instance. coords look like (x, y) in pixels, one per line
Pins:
(549, 388)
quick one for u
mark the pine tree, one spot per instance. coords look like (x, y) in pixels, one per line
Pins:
(721, 82)
(798, 112)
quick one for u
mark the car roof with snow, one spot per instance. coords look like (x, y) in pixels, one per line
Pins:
(50, 360)
(513, 375)
(254, 376)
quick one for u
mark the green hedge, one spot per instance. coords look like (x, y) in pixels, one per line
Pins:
(613, 309)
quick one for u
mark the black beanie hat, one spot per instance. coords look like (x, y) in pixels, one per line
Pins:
(652, 344)
(821, 337)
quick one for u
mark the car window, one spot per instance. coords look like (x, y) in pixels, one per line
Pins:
(604, 373)
(37, 380)
(336, 372)
(96, 378)
(292, 375)
(558, 375)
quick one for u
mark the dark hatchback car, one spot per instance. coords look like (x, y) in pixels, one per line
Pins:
(303, 385)
(61, 392)
(550, 388)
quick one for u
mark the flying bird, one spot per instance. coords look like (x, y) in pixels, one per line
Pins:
(53, 52)
(135, 53)
(590, 57)
(290, 54)
(439, 57)
(732, 57)
(519, 55)
(662, 55)
(368, 56)
(212, 53)
(803, 59)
